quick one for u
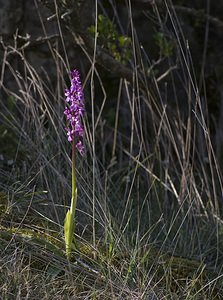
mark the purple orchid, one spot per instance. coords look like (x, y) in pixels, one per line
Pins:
(74, 111)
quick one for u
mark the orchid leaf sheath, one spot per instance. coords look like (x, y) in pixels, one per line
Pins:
(69, 225)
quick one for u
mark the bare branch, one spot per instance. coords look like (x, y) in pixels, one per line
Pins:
(199, 13)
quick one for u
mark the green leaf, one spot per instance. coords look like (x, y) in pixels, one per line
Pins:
(69, 230)
(122, 41)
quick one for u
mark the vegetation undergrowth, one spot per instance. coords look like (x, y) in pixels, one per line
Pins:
(149, 218)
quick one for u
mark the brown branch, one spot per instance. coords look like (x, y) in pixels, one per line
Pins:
(199, 13)
(28, 42)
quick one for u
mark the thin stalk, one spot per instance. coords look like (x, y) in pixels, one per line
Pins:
(70, 216)
(74, 188)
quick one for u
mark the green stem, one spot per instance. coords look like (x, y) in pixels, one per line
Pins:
(74, 188)
(69, 220)
(73, 192)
